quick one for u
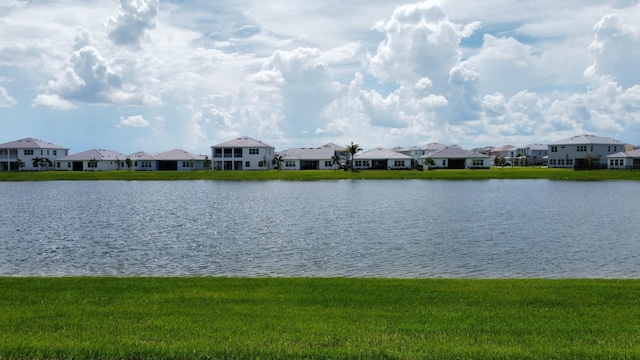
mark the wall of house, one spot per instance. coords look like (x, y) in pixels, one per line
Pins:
(566, 156)
(247, 158)
(27, 155)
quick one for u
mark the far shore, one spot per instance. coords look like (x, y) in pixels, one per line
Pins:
(298, 175)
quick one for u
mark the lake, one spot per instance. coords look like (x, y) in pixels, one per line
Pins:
(346, 228)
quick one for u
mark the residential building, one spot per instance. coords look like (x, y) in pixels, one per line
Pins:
(533, 154)
(172, 160)
(416, 152)
(579, 150)
(93, 160)
(314, 158)
(243, 153)
(454, 157)
(380, 158)
(25, 151)
(626, 160)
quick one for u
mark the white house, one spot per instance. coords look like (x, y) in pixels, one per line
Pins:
(243, 153)
(93, 160)
(172, 160)
(380, 158)
(624, 160)
(313, 158)
(535, 154)
(575, 151)
(416, 152)
(25, 151)
(454, 157)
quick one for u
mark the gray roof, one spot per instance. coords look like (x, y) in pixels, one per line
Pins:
(588, 139)
(455, 152)
(98, 154)
(31, 143)
(629, 154)
(433, 146)
(243, 142)
(177, 155)
(382, 154)
(537, 147)
(319, 153)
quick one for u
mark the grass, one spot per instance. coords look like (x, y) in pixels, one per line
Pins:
(493, 173)
(318, 318)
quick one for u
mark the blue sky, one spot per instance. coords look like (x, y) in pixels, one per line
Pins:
(157, 75)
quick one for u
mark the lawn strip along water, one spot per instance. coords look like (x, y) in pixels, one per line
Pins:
(203, 317)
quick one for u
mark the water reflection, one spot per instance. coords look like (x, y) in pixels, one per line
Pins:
(408, 228)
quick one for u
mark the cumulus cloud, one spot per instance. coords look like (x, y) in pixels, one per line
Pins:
(133, 121)
(615, 50)
(299, 86)
(131, 25)
(5, 99)
(90, 79)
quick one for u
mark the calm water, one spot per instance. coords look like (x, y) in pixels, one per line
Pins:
(408, 228)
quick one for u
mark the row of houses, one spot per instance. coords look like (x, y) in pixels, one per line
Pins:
(245, 153)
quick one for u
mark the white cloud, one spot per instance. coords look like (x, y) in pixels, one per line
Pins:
(89, 79)
(133, 121)
(52, 101)
(5, 99)
(135, 18)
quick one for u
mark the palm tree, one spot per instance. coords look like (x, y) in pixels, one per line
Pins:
(353, 149)
(36, 162)
(337, 160)
(128, 162)
(277, 161)
(207, 162)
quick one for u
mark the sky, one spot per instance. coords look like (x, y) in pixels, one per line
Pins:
(154, 75)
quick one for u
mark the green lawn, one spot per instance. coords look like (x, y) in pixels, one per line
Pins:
(493, 173)
(318, 318)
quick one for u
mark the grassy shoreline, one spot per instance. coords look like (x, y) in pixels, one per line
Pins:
(318, 318)
(298, 175)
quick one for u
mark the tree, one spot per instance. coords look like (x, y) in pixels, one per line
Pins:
(263, 163)
(277, 161)
(499, 161)
(93, 163)
(207, 162)
(429, 162)
(129, 163)
(590, 160)
(336, 160)
(35, 162)
(353, 149)
(20, 164)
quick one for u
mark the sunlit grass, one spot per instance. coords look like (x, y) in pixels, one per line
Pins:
(317, 318)
(493, 173)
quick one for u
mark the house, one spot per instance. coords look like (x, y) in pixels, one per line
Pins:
(532, 154)
(326, 157)
(172, 160)
(583, 151)
(243, 153)
(380, 158)
(454, 157)
(26, 154)
(504, 151)
(93, 160)
(415, 152)
(627, 160)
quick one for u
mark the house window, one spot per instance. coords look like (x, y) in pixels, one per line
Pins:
(28, 152)
(582, 148)
(254, 151)
(217, 153)
(289, 163)
(237, 152)
(55, 152)
(247, 164)
(68, 164)
(58, 165)
(328, 163)
(554, 149)
(92, 164)
(444, 162)
(398, 163)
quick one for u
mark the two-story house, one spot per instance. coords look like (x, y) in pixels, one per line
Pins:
(30, 154)
(583, 151)
(243, 153)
